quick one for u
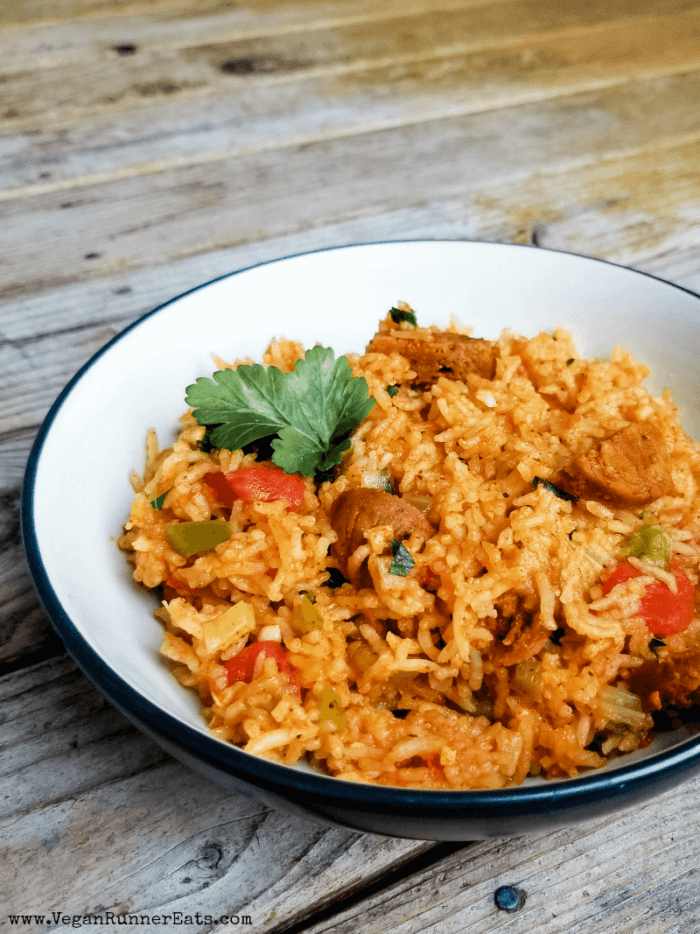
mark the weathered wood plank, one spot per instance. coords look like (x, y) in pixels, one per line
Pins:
(119, 34)
(28, 11)
(652, 191)
(25, 630)
(274, 14)
(371, 27)
(14, 451)
(278, 81)
(649, 193)
(80, 151)
(137, 222)
(63, 738)
(634, 872)
(125, 828)
(26, 398)
(597, 122)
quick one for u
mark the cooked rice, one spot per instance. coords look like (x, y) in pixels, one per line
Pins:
(423, 700)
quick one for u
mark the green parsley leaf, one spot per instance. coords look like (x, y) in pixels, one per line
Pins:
(392, 390)
(398, 315)
(561, 494)
(157, 503)
(403, 562)
(310, 412)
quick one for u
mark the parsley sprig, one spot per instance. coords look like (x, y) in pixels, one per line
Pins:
(157, 503)
(311, 412)
(403, 314)
(560, 494)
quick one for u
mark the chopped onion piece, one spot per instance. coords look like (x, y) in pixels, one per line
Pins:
(529, 676)
(271, 633)
(377, 480)
(621, 706)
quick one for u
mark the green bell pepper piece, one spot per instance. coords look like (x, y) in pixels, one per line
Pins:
(192, 538)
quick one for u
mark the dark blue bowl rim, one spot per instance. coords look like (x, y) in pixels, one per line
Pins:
(683, 758)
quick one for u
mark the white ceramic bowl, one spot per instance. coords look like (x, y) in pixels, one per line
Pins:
(77, 494)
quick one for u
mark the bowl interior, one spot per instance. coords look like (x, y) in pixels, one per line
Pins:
(95, 435)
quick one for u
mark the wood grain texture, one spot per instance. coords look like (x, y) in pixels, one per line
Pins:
(257, 13)
(636, 872)
(31, 45)
(475, 52)
(95, 817)
(139, 222)
(157, 113)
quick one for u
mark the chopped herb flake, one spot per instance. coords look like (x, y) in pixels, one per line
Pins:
(403, 314)
(560, 494)
(403, 562)
(570, 361)
(205, 444)
(311, 412)
(335, 578)
(392, 390)
(157, 503)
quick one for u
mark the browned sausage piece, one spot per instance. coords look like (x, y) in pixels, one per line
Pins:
(442, 353)
(357, 511)
(518, 637)
(629, 469)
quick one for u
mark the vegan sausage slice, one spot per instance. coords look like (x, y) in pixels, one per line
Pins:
(433, 354)
(630, 469)
(357, 511)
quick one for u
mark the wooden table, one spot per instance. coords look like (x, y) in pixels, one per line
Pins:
(150, 145)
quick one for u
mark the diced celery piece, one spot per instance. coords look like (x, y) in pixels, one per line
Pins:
(650, 542)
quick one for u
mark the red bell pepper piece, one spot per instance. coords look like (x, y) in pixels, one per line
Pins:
(247, 665)
(266, 484)
(664, 612)
(220, 487)
(434, 767)
(177, 583)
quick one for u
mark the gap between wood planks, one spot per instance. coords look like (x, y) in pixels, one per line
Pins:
(418, 864)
